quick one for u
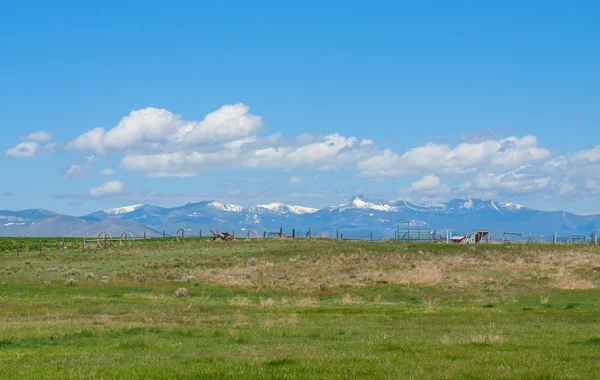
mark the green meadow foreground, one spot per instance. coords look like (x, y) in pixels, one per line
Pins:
(301, 309)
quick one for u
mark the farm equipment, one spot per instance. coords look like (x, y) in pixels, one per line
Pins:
(222, 236)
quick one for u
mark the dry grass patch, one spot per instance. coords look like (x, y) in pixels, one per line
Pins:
(349, 299)
(241, 301)
(568, 281)
(266, 302)
(306, 302)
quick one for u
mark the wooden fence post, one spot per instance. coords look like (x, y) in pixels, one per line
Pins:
(371, 235)
(265, 234)
(164, 237)
(293, 233)
(200, 234)
(337, 234)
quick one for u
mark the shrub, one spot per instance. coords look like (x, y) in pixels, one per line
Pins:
(71, 282)
(181, 292)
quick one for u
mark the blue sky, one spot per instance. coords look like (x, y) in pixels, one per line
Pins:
(299, 102)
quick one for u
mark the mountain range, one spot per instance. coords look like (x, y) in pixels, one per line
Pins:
(357, 218)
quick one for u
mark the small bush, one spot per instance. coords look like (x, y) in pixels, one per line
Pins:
(71, 282)
(181, 292)
(51, 270)
(90, 276)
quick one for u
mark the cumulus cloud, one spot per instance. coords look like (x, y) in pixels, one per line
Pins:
(40, 136)
(108, 189)
(330, 152)
(517, 181)
(154, 129)
(160, 143)
(428, 188)
(295, 180)
(462, 159)
(428, 182)
(106, 172)
(25, 149)
(581, 162)
(89, 141)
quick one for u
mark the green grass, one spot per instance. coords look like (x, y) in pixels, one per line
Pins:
(300, 309)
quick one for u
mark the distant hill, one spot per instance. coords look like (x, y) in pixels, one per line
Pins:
(357, 218)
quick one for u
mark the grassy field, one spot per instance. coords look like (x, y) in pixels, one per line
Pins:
(300, 309)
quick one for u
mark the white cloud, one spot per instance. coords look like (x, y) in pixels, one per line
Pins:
(325, 155)
(154, 129)
(25, 149)
(160, 143)
(330, 152)
(428, 182)
(89, 141)
(581, 162)
(566, 188)
(40, 136)
(428, 188)
(74, 170)
(89, 160)
(517, 181)
(107, 172)
(52, 147)
(108, 189)
(230, 122)
(295, 180)
(465, 158)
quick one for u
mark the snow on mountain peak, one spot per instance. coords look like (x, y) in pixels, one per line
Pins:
(512, 206)
(122, 210)
(280, 207)
(302, 210)
(224, 207)
(360, 201)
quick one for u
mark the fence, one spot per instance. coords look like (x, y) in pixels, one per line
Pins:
(405, 234)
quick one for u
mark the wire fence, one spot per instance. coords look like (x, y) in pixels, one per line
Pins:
(105, 240)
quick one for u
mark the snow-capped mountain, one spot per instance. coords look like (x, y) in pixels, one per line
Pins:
(357, 217)
(122, 210)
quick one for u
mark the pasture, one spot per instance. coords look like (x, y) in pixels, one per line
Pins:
(300, 309)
